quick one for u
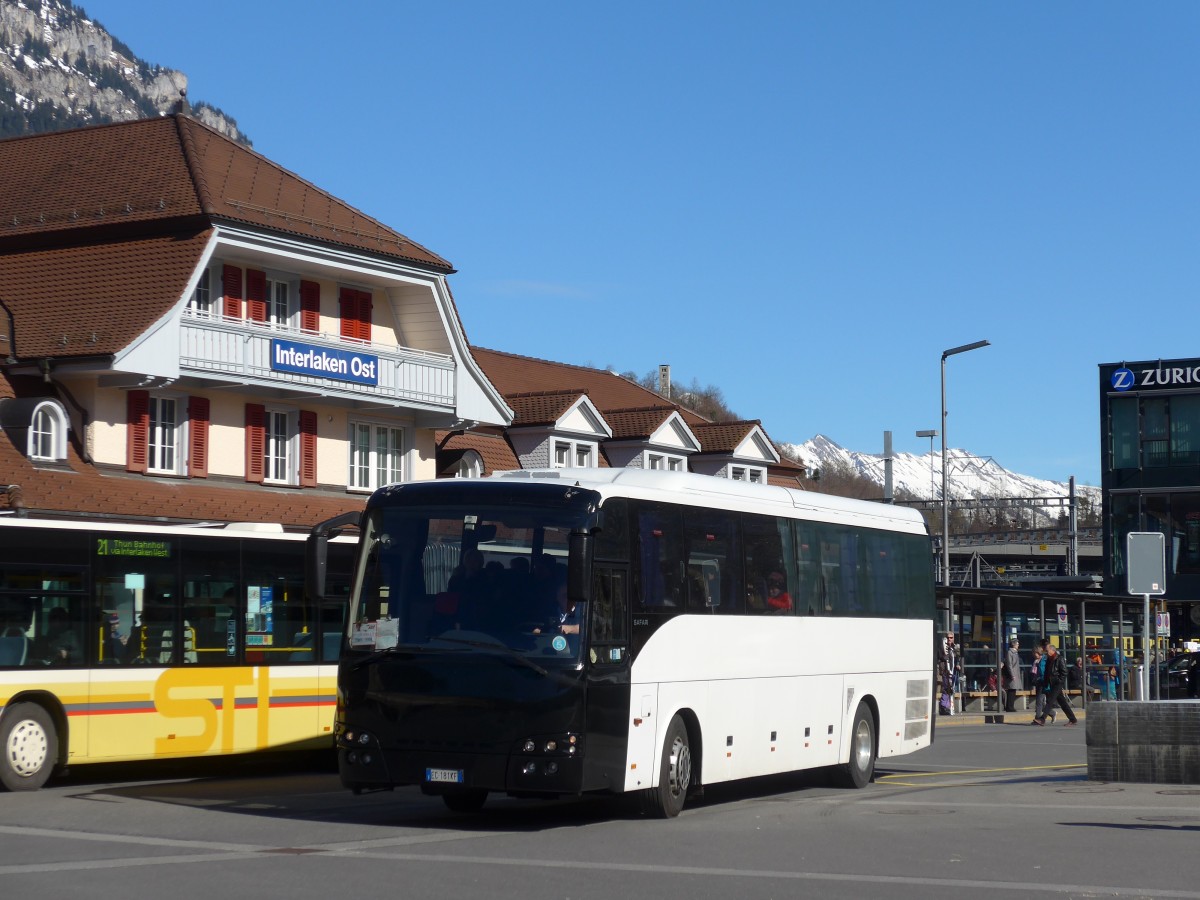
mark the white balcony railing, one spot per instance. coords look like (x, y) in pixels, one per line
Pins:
(241, 351)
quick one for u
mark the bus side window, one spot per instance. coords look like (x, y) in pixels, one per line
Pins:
(660, 557)
(714, 559)
(767, 565)
(808, 593)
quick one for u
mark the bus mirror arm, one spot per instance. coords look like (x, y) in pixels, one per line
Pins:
(579, 567)
(316, 552)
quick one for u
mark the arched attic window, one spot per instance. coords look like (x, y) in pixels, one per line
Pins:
(47, 439)
(470, 465)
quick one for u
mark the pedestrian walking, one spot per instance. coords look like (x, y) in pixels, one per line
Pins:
(1037, 676)
(1056, 682)
(1013, 675)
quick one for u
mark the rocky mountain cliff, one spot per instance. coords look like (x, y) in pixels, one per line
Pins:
(60, 69)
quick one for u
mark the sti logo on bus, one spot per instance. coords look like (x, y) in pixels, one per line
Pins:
(1124, 379)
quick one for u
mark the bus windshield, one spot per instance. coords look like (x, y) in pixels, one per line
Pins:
(467, 578)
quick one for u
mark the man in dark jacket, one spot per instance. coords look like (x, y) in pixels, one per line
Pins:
(1056, 681)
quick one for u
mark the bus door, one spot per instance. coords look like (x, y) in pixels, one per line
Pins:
(607, 662)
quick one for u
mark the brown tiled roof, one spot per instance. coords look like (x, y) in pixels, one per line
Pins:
(495, 451)
(94, 299)
(541, 407)
(149, 171)
(637, 423)
(512, 374)
(237, 183)
(780, 479)
(722, 437)
(78, 488)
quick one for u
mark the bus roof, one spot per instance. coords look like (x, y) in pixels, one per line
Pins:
(707, 490)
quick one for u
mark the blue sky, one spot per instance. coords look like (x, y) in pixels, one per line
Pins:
(803, 203)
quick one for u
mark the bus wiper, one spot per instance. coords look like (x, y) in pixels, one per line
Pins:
(509, 652)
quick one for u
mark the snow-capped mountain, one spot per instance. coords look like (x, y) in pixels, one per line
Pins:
(920, 476)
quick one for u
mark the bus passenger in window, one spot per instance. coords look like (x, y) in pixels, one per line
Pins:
(61, 645)
(778, 599)
(112, 648)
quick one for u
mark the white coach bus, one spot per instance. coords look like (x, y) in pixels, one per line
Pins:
(558, 632)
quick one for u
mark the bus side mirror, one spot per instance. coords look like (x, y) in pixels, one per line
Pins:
(579, 567)
(316, 552)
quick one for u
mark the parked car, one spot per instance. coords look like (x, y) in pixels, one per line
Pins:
(1180, 677)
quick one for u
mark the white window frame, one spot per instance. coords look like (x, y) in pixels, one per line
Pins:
(281, 446)
(163, 436)
(567, 454)
(280, 291)
(201, 301)
(470, 465)
(374, 471)
(47, 441)
(659, 461)
(749, 474)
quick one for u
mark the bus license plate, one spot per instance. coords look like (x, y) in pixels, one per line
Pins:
(444, 776)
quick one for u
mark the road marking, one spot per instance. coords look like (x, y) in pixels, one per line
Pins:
(1034, 887)
(888, 779)
(349, 851)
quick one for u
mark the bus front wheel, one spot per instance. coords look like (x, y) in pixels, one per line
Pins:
(858, 772)
(674, 774)
(30, 746)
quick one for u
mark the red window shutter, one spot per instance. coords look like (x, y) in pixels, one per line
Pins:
(256, 295)
(137, 430)
(256, 441)
(356, 314)
(310, 306)
(231, 279)
(348, 300)
(308, 448)
(364, 315)
(198, 419)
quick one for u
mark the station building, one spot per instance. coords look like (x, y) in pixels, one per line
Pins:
(1150, 475)
(190, 332)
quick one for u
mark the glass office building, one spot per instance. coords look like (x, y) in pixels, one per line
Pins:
(1150, 446)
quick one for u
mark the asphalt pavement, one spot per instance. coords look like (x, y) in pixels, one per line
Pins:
(989, 811)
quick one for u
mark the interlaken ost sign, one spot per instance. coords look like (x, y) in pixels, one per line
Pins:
(324, 362)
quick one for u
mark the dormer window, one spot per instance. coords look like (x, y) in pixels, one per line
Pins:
(753, 474)
(574, 454)
(48, 433)
(470, 466)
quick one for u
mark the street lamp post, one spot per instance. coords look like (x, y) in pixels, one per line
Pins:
(930, 433)
(945, 493)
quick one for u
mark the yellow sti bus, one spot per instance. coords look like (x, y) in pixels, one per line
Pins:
(125, 642)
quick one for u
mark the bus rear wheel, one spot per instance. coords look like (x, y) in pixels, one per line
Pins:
(30, 745)
(858, 772)
(674, 774)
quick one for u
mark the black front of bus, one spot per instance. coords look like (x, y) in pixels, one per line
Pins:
(467, 667)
